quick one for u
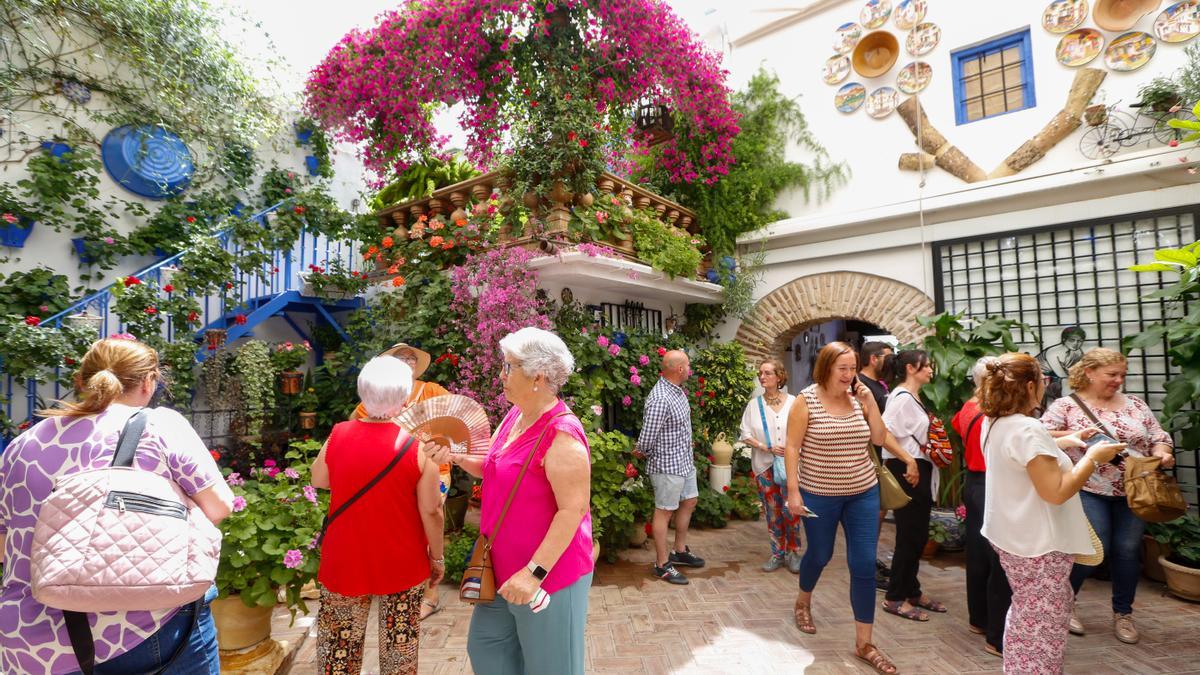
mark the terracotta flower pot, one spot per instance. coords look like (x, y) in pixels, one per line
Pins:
(639, 536)
(239, 626)
(215, 338)
(308, 420)
(931, 549)
(291, 382)
(1183, 582)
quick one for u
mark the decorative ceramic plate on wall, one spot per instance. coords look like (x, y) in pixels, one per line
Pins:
(850, 97)
(923, 39)
(1079, 47)
(882, 102)
(1179, 23)
(1130, 51)
(914, 77)
(148, 160)
(909, 13)
(837, 68)
(875, 13)
(846, 37)
(1064, 15)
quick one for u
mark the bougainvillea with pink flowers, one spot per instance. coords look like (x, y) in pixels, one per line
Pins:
(559, 79)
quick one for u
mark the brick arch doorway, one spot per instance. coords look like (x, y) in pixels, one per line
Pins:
(787, 311)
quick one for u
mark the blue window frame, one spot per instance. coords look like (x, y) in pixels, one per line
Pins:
(993, 77)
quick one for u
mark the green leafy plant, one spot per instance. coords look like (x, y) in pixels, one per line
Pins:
(269, 539)
(421, 178)
(335, 280)
(712, 508)
(744, 495)
(722, 383)
(179, 363)
(1191, 125)
(1182, 537)
(308, 401)
(256, 382)
(29, 351)
(621, 495)
(39, 292)
(665, 248)
(458, 552)
(1160, 93)
(1181, 333)
(289, 355)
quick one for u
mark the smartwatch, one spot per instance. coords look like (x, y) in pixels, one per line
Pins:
(537, 570)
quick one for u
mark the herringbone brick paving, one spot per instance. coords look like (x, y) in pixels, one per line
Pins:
(733, 618)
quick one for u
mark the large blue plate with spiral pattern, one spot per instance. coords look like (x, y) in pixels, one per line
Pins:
(148, 160)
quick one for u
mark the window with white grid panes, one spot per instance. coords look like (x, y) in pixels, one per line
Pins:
(1074, 275)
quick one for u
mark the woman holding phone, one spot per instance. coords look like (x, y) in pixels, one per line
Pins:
(830, 429)
(1099, 403)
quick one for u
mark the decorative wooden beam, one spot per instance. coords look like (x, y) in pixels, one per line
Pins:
(1067, 120)
(934, 143)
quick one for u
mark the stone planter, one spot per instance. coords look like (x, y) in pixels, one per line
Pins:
(639, 536)
(1183, 582)
(239, 626)
(456, 512)
(291, 382)
(1151, 551)
(90, 321)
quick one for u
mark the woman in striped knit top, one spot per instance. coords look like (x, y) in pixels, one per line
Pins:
(832, 480)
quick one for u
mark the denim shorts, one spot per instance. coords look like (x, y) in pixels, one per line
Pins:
(670, 490)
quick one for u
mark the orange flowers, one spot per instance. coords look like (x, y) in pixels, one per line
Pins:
(388, 242)
(435, 241)
(397, 281)
(460, 222)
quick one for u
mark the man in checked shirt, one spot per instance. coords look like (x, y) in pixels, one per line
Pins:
(666, 442)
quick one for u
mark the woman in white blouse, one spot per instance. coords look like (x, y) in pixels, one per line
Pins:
(908, 421)
(1032, 514)
(764, 429)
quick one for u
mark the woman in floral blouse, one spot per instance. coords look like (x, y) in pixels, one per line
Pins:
(1097, 380)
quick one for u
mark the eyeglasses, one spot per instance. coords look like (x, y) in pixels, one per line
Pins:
(507, 367)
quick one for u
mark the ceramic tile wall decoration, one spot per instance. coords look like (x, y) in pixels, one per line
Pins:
(875, 13)
(1079, 47)
(850, 97)
(1178, 23)
(846, 37)
(914, 77)
(909, 13)
(1130, 51)
(882, 102)
(837, 69)
(1063, 16)
(923, 39)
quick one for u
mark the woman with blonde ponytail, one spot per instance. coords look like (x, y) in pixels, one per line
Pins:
(116, 378)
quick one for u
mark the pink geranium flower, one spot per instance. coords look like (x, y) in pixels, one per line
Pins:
(239, 503)
(293, 559)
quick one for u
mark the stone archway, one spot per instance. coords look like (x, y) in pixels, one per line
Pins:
(786, 311)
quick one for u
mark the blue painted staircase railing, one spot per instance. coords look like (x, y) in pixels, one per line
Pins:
(279, 291)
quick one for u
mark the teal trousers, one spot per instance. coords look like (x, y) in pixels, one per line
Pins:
(510, 639)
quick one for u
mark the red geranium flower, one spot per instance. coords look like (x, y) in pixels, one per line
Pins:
(151, 311)
(662, 351)
(193, 317)
(711, 458)
(388, 242)
(32, 320)
(168, 288)
(298, 210)
(191, 219)
(215, 455)
(725, 489)
(240, 319)
(228, 285)
(131, 281)
(631, 471)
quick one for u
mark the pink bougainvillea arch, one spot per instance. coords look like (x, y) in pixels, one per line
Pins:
(502, 59)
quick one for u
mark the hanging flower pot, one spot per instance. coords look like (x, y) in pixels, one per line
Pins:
(16, 232)
(313, 164)
(308, 420)
(291, 382)
(215, 337)
(80, 244)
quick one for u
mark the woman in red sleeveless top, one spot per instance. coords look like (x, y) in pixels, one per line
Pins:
(387, 543)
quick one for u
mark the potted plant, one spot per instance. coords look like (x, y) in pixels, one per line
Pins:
(458, 495)
(1160, 94)
(269, 544)
(335, 282)
(286, 359)
(946, 527)
(256, 383)
(307, 403)
(1152, 550)
(1182, 565)
(215, 338)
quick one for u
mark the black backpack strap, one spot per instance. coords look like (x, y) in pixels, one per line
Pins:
(84, 645)
(366, 488)
(127, 442)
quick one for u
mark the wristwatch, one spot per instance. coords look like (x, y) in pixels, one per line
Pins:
(537, 570)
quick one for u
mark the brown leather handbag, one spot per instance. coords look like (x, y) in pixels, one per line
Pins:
(479, 579)
(1153, 495)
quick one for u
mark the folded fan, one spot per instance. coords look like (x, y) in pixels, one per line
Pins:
(452, 420)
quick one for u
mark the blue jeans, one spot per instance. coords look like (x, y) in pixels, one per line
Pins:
(199, 655)
(859, 516)
(1120, 532)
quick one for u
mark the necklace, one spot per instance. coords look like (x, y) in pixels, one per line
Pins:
(522, 426)
(773, 400)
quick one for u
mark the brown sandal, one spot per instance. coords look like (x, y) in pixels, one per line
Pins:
(804, 621)
(875, 658)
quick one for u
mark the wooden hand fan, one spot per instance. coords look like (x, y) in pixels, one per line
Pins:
(451, 420)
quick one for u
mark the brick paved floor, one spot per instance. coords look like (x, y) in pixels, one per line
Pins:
(734, 618)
